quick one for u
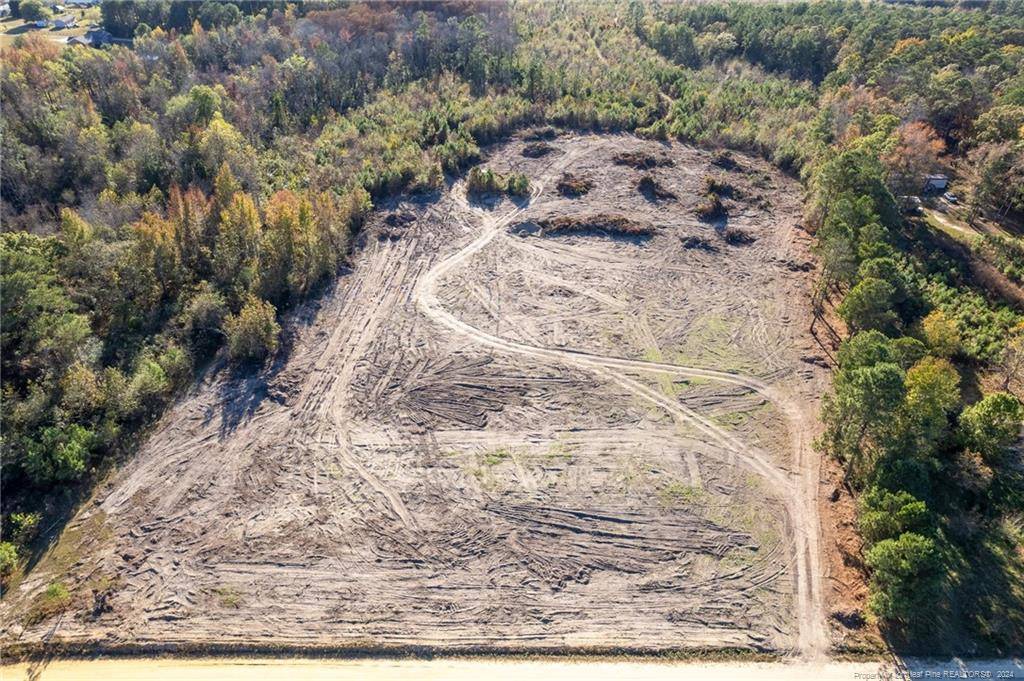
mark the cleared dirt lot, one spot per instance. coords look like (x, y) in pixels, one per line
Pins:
(496, 434)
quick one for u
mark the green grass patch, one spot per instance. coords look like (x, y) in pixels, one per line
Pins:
(496, 457)
(677, 493)
(940, 226)
(733, 419)
(228, 596)
(653, 355)
(54, 600)
(740, 417)
(709, 343)
(560, 451)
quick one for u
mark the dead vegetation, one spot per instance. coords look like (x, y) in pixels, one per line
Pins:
(724, 160)
(710, 208)
(714, 184)
(394, 225)
(545, 132)
(573, 186)
(607, 223)
(102, 598)
(652, 189)
(642, 160)
(399, 219)
(698, 242)
(537, 149)
(737, 236)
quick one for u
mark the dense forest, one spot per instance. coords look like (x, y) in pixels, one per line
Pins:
(166, 199)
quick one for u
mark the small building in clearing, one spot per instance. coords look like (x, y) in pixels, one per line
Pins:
(96, 37)
(935, 183)
(66, 21)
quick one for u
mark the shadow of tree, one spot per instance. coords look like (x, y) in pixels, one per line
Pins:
(488, 201)
(243, 388)
(980, 612)
(20, 30)
(59, 510)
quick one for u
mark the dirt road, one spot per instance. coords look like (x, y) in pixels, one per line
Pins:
(268, 669)
(239, 669)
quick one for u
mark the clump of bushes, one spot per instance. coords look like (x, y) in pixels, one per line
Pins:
(573, 185)
(653, 190)
(8, 560)
(1006, 253)
(698, 242)
(710, 208)
(54, 600)
(253, 332)
(719, 186)
(23, 528)
(20, 530)
(517, 184)
(724, 160)
(486, 181)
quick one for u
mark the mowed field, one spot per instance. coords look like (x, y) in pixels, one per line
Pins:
(509, 427)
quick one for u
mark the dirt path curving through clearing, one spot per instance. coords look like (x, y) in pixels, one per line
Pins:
(800, 490)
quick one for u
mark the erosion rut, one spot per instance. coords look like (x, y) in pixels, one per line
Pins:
(487, 437)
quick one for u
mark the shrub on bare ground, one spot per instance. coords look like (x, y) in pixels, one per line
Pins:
(710, 208)
(537, 149)
(734, 236)
(572, 185)
(724, 160)
(652, 190)
(698, 242)
(718, 185)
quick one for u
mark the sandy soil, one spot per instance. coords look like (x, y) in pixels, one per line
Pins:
(427, 670)
(236, 669)
(484, 437)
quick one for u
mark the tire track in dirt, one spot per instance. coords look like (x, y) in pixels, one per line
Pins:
(800, 494)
